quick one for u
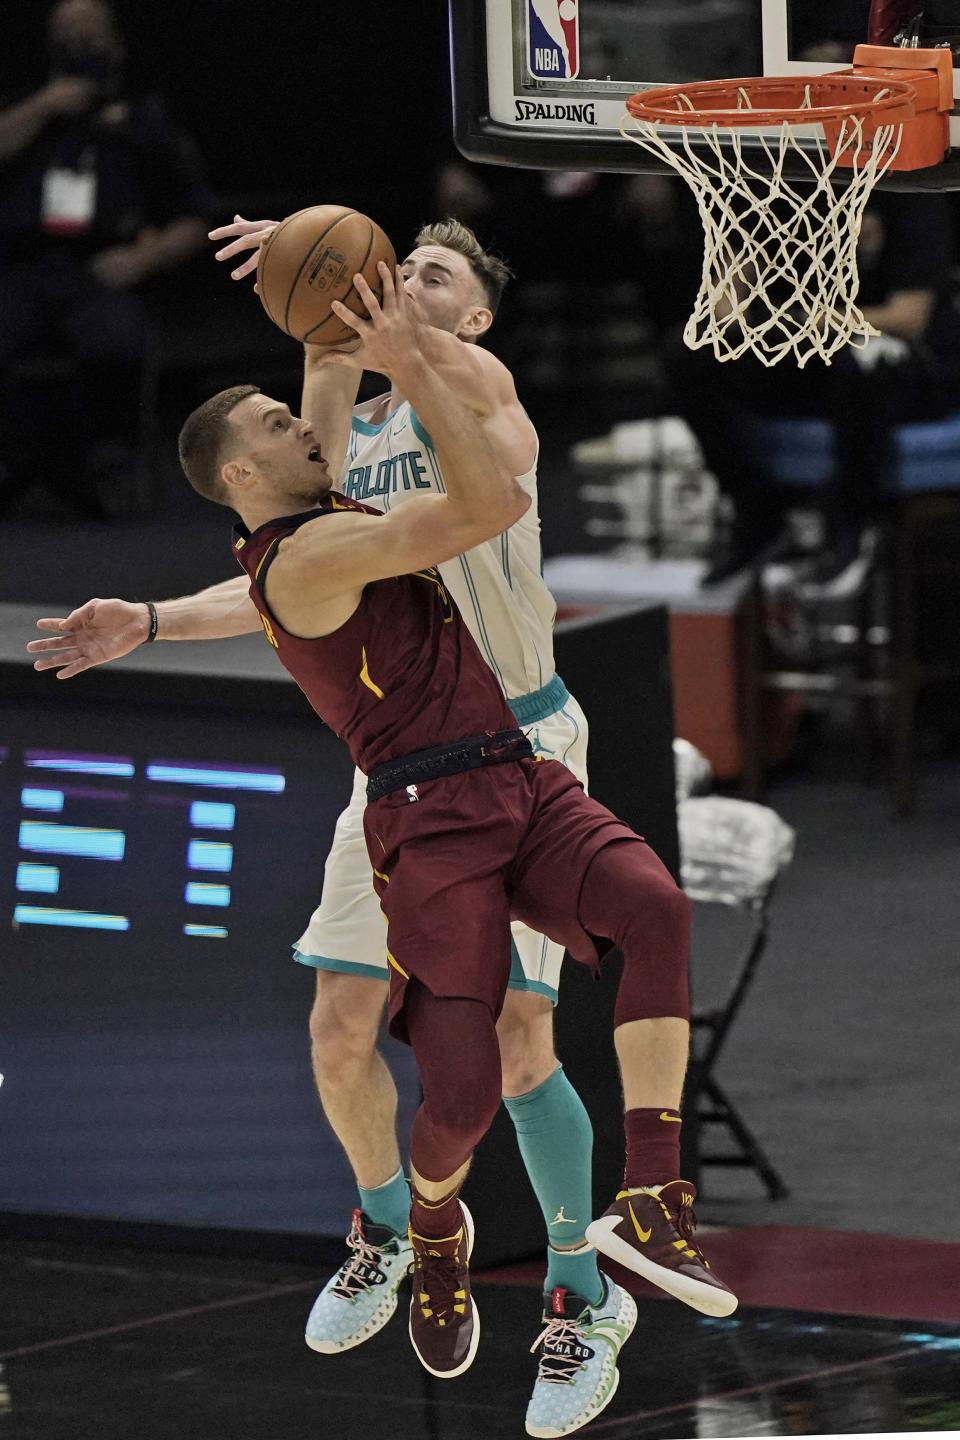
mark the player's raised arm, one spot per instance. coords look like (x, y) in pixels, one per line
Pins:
(329, 395)
(329, 392)
(103, 630)
(321, 565)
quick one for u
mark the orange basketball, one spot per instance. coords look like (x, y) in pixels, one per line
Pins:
(311, 259)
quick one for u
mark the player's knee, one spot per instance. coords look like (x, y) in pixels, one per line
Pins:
(660, 921)
(460, 1116)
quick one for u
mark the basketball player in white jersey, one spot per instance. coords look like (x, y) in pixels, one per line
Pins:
(386, 456)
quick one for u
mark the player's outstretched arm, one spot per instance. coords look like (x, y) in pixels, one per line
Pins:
(104, 630)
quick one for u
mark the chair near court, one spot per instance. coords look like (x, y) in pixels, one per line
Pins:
(731, 854)
(907, 613)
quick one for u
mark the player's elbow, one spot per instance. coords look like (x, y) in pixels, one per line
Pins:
(517, 505)
(513, 504)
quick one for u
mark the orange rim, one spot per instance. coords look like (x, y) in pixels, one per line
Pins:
(778, 99)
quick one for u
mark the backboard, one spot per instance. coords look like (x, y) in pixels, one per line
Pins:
(542, 83)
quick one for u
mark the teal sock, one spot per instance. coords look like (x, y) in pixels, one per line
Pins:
(575, 1270)
(388, 1204)
(556, 1142)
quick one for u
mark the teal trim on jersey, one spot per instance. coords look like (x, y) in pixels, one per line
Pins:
(519, 981)
(505, 556)
(482, 637)
(418, 430)
(365, 428)
(576, 733)
(344, 967)
(528, 709)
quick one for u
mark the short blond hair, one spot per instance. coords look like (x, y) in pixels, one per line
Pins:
(492, 272)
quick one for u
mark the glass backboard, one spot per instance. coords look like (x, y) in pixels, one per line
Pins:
(542, 83)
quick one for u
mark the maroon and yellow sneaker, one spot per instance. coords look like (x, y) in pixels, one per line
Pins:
(444, 1324)
(652, 1234)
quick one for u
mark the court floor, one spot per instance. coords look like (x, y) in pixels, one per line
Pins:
(99, 1343)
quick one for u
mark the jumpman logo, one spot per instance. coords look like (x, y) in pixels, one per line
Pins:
(538, 746)
(561, 1219)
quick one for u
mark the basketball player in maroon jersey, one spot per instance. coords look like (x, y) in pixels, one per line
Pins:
(463, 826)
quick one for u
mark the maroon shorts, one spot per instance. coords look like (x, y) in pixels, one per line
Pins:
(473, 852)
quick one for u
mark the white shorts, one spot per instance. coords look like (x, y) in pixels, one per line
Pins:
(347, 930)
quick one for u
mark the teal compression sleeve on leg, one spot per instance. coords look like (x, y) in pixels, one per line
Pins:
(388, 1204)
(556, 1142)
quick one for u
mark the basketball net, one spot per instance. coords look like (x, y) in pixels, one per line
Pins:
(780, 255)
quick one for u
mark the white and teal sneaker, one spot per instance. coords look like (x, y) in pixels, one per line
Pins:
(579, 1345)
(359, 1300)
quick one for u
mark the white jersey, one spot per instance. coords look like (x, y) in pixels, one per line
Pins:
(498, 586)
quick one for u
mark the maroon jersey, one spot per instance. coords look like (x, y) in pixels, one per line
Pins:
(402, 674)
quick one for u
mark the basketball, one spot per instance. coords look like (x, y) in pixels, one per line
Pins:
(310, 260)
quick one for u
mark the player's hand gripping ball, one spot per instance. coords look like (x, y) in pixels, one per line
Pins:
(311, 259)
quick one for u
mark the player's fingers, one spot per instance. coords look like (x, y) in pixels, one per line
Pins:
(247, 267)
(76, 668)
(245, 242)
(369, 299)
(239, 226)
(56, 642)
(52, 622)
(349, 318)
(55, 658)
(83, 615)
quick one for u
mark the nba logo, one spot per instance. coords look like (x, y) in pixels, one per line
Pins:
(553, 39)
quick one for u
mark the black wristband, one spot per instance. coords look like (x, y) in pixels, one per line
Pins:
(152, 632)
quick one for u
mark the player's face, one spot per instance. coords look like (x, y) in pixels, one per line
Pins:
(283, 451)
(445, 289)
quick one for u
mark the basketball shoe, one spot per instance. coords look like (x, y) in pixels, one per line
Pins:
(359, 1300)
(444, 1324)
(579, 1345)
(651, 1233)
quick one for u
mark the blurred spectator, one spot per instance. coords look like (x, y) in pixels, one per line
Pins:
(659, 234)
(551, 224)
(97, 193)
(911, 371)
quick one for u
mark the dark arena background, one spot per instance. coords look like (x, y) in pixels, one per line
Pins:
(171, 1197)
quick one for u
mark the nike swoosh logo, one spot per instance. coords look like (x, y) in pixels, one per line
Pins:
(674, 1119)
(642, 1235)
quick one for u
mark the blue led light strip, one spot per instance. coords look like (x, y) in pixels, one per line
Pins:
(199, 893)
(271, 781)
(42, 879)
(48, 838)
(213, 932)
(32, 799)
(209, 815)
(74, 919)
(210, 855)
(79, 764)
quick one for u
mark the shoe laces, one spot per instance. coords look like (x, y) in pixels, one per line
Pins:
(564, 1352)
(362, 1269)
(684, 1220)
(440, 1282)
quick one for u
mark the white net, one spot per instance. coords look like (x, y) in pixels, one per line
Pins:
(780, 254)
